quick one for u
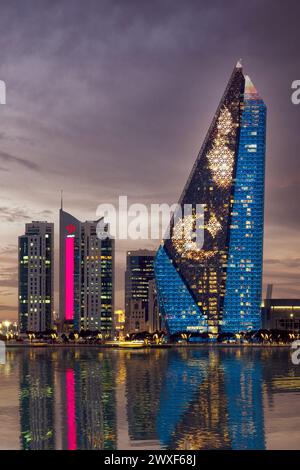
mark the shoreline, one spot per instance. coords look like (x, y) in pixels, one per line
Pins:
(167, 346)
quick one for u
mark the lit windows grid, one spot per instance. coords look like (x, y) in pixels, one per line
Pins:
(93, 276)
(244, 271)
(210, 184)
(139, 272)
(176, 303)
(36, 277)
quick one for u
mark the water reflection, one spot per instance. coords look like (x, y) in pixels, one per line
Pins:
(36, 402)
(175, 399)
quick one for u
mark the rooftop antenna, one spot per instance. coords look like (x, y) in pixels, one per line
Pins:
(61, 199)
(269, 291)
(269, 295)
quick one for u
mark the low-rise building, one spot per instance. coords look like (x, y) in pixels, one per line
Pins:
(281, 314)
(136, 319)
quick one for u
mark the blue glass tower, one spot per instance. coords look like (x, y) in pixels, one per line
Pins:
(217, 286)
(244, 271)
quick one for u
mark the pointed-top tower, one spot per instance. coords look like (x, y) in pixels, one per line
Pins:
(192, 280)
(250, 90)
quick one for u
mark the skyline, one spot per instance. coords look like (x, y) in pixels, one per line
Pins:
(80, 106)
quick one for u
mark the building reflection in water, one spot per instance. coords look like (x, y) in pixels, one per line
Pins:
(244, 391)
(67, 400)
(36, 401)
(145, 374)
(89, 397)
(200, 398)
(203, 424)
(71, 409)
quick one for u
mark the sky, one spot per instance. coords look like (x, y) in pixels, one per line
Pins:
(109, 98)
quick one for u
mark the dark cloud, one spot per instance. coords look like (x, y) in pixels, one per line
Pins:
(8, 276)
(19, 214)
(5, 292)
(7, 158)
(13, 214)
(289, 263)
(7, 308)
(8, 249)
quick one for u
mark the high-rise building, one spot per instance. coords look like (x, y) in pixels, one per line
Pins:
(139, 272)
(86, 276)
(36, 277)
(216, 286)
(281, 314)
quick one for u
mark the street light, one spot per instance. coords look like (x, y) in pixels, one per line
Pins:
(6, 324)
(31, 336)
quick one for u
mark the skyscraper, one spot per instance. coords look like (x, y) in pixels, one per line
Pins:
(139, 272)
(36, 277)
(217, 286)
(86, 276)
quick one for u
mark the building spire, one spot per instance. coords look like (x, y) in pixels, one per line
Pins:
(61, 199)
(239, 64)
(250, 89)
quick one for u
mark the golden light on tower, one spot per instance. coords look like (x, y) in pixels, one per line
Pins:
(220, 157)
(213, 225)
(120, 316)
(120, 322)
(184, 238)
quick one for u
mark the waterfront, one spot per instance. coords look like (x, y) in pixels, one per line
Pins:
(181, 398)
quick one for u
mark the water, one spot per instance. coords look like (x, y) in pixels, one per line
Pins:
(187, 398)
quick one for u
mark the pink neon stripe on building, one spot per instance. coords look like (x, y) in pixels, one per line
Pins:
(71, 409)
(69, 278)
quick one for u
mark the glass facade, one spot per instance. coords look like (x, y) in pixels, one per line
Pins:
(244, 272)
(107, 284)
(179, 309)
(70, 273)
(86, 276)
(223, 276)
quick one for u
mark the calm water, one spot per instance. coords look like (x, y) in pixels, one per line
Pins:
(225, 398)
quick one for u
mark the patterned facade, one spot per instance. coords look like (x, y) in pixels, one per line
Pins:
(215, 285)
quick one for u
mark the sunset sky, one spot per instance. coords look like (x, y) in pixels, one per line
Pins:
(109, 98)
